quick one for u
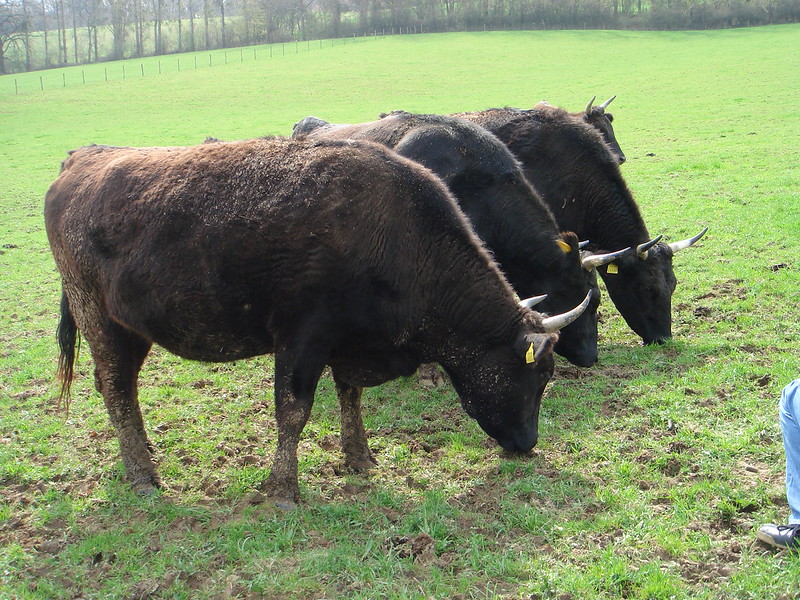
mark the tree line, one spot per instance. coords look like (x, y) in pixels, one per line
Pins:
(36, 34)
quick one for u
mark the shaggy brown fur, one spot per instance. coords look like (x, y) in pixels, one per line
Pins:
(336, 253)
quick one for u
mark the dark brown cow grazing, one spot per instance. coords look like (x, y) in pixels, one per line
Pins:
(323, 253)
(578, 177)
(597, 117)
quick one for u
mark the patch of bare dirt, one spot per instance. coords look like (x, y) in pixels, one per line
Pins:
(421, 548)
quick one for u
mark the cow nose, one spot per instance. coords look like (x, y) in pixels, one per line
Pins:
(584, 359)
(522, 442)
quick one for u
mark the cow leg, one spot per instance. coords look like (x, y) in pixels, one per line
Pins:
(357, 455)
(118, 356)
(295, 384)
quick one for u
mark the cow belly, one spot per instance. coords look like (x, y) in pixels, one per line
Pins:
(216, 338)
(214, 346)
(368, 366)
(191, 318)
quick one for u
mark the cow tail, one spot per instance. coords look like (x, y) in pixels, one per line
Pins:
(69, 342)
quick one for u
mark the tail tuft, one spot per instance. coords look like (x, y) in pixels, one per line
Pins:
(69, 343)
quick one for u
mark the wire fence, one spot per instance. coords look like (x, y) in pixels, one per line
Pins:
(39, 81)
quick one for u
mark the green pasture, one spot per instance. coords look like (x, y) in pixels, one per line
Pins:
(653, 468)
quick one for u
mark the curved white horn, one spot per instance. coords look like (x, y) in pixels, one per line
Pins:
(642, 249)
(596, 260)
(605, 104)
(532, 301)
(589, 106)
(683, 244)
(583, 244)
(556, 322)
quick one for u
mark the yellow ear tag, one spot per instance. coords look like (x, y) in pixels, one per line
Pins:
(612, 269)
(529, 355)
(565, 247)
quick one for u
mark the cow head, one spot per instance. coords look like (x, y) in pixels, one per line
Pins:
(597, 117)
(568, 285)
(577, 341)
(641, 284)
(307, 125)
(501, 386)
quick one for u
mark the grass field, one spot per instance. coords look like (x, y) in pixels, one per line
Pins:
(654, 467)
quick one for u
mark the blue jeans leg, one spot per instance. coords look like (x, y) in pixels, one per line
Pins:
(790, 427)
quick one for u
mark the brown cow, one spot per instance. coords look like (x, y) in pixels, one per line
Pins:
(323, 253)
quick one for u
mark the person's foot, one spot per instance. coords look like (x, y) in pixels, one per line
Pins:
(780, 536)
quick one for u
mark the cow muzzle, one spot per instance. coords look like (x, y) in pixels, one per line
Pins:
(521, 442)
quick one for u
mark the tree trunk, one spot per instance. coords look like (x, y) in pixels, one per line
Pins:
(222, 13)
(191, 27)
(138, 27)
(44, 26)
(27, 34)
(63, 33)
(180, 29)
(205, 23)
(74, 10)
(158, 46)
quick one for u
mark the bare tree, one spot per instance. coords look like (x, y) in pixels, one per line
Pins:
(180, 26)
(222, 14)
(158, 9)
(190, 8)
(61, 28)
(120, 14)
(26, 32)
(12, 24)
(138, 26)
(74, 10)
(44, 28)
(206, 18)
(334, 8)
(93, 17)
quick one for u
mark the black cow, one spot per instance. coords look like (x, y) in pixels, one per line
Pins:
(505, 211)
(577, 175)
(323, 253)
(597, 117)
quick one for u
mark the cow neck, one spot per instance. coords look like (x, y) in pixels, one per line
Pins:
(482, 310)
(567, 160)
(612, 219)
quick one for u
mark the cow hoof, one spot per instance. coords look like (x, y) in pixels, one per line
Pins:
(284, 497)
(284, 503)
(145, 489)
(362, 464)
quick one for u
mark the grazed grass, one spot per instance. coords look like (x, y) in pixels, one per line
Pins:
(654, 466)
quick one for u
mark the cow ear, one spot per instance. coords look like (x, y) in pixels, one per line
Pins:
(532, 347)
(565, 247)
(568, 242)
